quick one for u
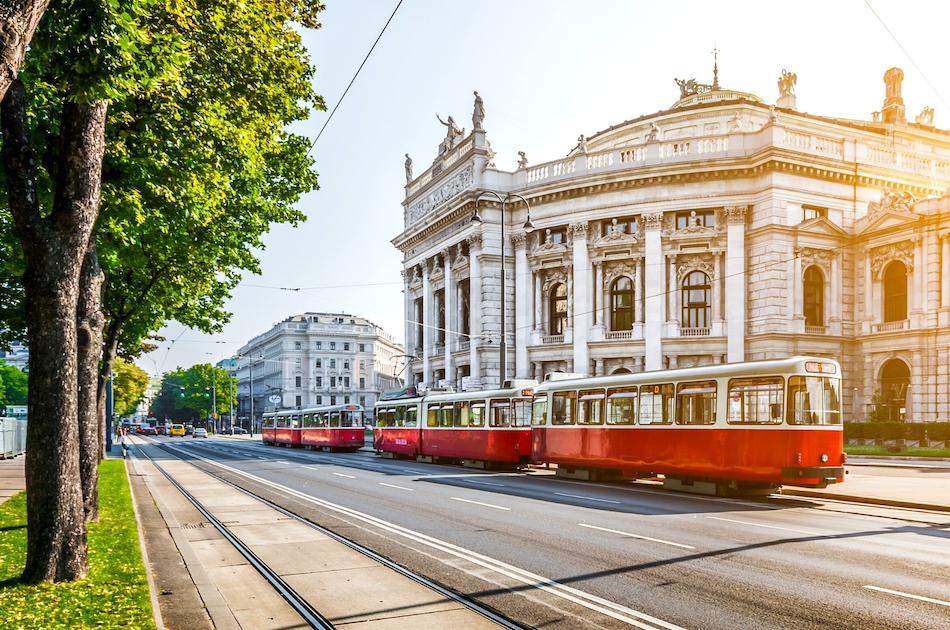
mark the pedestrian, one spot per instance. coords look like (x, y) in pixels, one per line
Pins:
(123, 442)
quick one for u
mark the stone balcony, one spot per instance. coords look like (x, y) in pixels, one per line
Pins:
(903, 324)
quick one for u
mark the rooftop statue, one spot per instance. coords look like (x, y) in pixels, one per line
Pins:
(688, 87)
(478, 113)
(926, 117)
(654, 134)
(580, 147)
(522, 160)
(452, 134)
(408, 166)
(786, 83)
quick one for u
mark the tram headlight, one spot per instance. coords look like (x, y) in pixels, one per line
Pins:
(824, 458)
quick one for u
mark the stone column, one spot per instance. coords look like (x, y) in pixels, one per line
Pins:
(674, 295)
(523, 292)
(920, 281)
(654, 287)
(944, 316)
(581, 294)
(836, 295)
(427, 301)
(637, 290)
(538, 303)
(868, 293)
(475, 305)
(716, 296)
(599, 294)
(451, 329)
(407, 311)
(735, 283)
(798, 318)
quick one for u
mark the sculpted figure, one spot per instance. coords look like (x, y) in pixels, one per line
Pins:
(786, 83)
(654, 134)
(452, 134)
(522, 160)
(926, 117)
(582, 143)
(478, 113)
(408, 166)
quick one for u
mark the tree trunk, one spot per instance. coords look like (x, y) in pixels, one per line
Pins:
(18, 21)
(89, 341)
(54, 246)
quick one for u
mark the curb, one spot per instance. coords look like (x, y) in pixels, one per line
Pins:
(143, 552)
(872, 500)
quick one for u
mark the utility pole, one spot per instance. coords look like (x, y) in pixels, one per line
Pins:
(214, 399)
(231, 400)
(250, 366)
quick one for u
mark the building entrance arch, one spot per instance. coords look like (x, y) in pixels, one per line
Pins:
(894, 381)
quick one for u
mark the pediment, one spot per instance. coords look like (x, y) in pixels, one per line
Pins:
(888, 219)
(821, 226)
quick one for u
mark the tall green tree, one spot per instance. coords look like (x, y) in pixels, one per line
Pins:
(193, 394)
(13, 385)
(129, 383)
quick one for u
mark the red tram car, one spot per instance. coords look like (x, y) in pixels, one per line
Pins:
(332, 427)
(741, 426)
(481, 428)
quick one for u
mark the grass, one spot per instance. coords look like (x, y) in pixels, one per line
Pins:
(910, 451)
(114, 594)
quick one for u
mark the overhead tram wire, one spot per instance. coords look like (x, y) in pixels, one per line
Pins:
(356, 74)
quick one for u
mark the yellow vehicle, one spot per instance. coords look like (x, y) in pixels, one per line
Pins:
(177, 430)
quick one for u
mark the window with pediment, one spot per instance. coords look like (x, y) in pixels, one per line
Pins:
(701, 218)
(813, 296)
(895, 292)
(621, 304)
(696, 300)
(557, 309)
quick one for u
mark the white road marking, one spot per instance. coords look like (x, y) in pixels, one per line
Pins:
(628, 534)
(787, 529)
(312, 468)
(497, 507)
(910, 595)
(587, 498)
(389, 485)
(485, 483)
(281, 461)
(342, 475)
(532, 580)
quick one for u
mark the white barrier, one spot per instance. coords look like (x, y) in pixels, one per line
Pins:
(12, 437)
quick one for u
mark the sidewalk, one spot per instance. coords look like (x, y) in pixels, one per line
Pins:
(205, 582)
(12, 480)
(918, 492)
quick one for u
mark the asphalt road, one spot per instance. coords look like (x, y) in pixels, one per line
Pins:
(562, 554)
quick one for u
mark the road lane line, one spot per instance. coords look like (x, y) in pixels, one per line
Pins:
(497, 507)
(342, 475)
(910, 595)
(312, 468)
(389, 485)
(656, 540)
(787, 529)
(581, 496)
(590, 601)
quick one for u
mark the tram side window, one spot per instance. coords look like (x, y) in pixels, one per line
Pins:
(539, 411)
(696, 403)
(432, 416)
(622, 405)
(656, 404)
(352, 419)
(446, 413)
(410, 416)
(814, 400)
(268, 422)
(399, 416)
(501, 413)
(755, 400)
(322, 420)
(478, 414)
(461, 413)
(521, 408)
(307, 421)
(590, 407)
(280, 422)
(563, 408)
(334, 419)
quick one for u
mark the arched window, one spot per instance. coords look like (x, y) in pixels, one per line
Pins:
(895, 292)
(696, 300)
(557, 308)
(621, 304)
(895, 377)
(621, 370)
(813, 296)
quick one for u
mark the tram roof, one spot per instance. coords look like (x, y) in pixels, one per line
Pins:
(791, 365)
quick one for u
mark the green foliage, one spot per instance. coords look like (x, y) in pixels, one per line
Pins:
(913, 451)
(854, 430)
(129, 382)
(114, 594)
(938, 431)
(933, 431)
(915, 431)
(12, 385)
(188, 394)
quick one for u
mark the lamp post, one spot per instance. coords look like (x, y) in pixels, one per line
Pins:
(528, 228)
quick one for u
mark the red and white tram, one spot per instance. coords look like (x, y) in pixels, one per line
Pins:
(730, 427)
(479, 428)
(332, 427)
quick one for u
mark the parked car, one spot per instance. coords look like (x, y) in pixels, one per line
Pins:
(189, 429)
(235, 431)
(177, 430)
(200, 432)
(145, 429)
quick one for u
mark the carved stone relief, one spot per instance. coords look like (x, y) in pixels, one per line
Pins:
(880, 256)
(687, 263)
(735, 214)
(455, 185)
(652, 221)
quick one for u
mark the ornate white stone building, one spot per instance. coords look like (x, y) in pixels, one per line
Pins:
(317, 359)
(721, 229)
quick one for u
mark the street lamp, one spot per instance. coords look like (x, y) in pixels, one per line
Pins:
(528, 228)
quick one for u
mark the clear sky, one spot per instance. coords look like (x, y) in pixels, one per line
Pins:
(547, 70)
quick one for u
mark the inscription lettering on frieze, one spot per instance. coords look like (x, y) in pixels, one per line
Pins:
(458, 183)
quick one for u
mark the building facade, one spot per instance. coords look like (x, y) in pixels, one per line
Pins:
(18, 356)
(722, 229)
(316, 359)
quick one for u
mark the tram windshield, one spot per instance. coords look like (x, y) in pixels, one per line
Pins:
(814, 400)
(539, 411)
(352, 419)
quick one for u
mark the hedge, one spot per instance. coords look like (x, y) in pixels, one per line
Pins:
(932, 431)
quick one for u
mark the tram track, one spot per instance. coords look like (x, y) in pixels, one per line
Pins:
(304, 608)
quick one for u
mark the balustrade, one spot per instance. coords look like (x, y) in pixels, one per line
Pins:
(694, 332)
(618, 334)
(550, 339)
(903, 324)
(814, 330)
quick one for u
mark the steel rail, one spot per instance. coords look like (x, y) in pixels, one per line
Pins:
(471, 604)
(309, 614)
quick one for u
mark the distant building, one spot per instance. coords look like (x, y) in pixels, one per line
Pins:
(316, 359)
(18, 356)
(721, 229)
